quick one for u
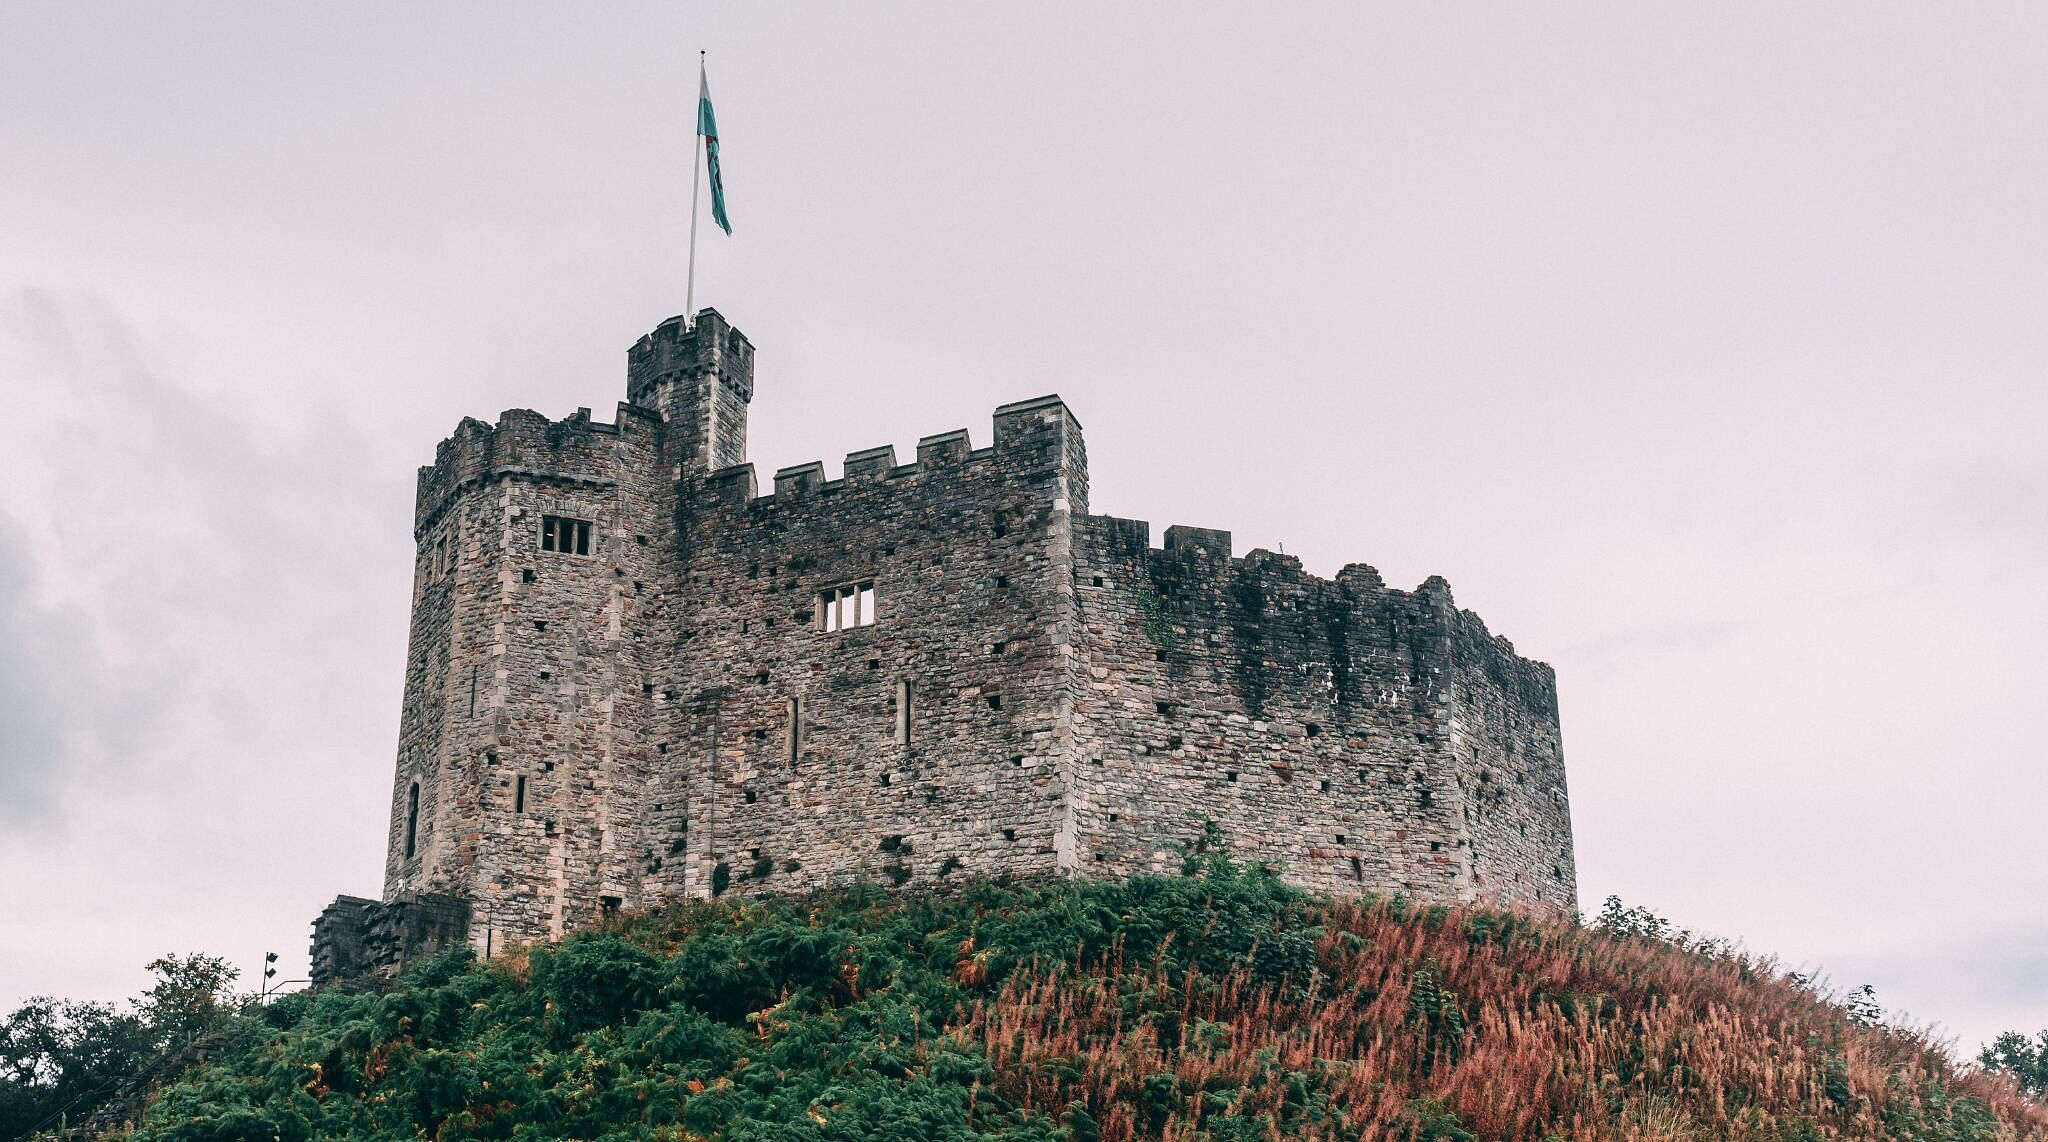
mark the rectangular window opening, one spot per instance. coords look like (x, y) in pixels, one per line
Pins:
(903, 712)
(519, 794)
(842, 608)
(565, 535)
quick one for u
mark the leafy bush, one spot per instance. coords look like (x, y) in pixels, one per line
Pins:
(1217, 1004)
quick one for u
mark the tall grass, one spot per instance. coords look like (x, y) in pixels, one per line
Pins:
(1219, 1004)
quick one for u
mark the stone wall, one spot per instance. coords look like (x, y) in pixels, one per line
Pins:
(358, 941)
(666, 716)
(964, 551)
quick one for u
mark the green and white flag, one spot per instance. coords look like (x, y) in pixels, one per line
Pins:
(707, 126)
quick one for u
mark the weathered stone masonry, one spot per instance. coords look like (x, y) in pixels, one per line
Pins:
(623, 688)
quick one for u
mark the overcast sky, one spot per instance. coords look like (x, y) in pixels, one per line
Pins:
(1701, 348)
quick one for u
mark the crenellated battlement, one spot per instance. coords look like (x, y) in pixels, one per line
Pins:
(641, 672)
(1038, 435)
(526, 445)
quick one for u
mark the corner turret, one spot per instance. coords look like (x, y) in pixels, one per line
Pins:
(700, 378)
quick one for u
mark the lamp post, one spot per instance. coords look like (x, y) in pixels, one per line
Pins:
(269, 988)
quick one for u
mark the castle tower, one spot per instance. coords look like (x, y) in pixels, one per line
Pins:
(636, 675)
(545, 578)
(700, 379)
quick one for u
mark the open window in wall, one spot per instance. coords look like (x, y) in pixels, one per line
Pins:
(903, 712)
(412, 821)
(853, 605)
(568, 536)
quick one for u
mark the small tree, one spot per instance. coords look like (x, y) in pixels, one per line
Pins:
(2027, 1061)
(191, 994)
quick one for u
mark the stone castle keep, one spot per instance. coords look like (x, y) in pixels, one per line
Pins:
(635, 676)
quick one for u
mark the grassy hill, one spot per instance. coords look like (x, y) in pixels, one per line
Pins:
(1218, 1004)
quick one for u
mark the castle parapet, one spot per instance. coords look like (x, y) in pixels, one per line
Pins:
(1202, 543)
(943, 450)
(526, 444)
(799, 479)
(733, 486)
(870, 463)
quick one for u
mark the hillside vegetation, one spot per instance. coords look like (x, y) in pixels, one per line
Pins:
(1217, 1004)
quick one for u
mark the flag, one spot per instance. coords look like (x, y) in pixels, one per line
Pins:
(707, 126)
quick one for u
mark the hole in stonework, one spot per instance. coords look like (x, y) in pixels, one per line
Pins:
(641, 540)
(519, 794)
(1017, 761)
(1322, 786)
(1097, 580)
(762, 677)
(1113, 817)
(760, 735)
(1557, 871)
(1358, 868)
(549, 825)
(1364, 778)
(770, 623)
(754, 571)
(669, 694)
(1001, 525)
(1436, 846)
(547, 767)
(885, 781)
(1165, 708)
(544, 675)
(610, 904)
(647, 688)
(1009, 834)
(1159, 656)
(1230, 776)
(874, 664)
(750, 796)
(661, 747)
(1002, 581)
(1314, 729)
(540, 624)
(1173, 742)
(743, 626)
(638, 586)
(526, 575)
(412, 821)
(1096, 761)
(490, 757)
(995, 701)
(1342, 839)
(1424, 800)
(998, 648)
(1099, 856)
(619, 571)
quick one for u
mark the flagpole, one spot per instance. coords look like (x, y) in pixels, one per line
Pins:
(696, 185)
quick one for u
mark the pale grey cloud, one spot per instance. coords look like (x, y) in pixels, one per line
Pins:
(48, 671)
(1700, 350)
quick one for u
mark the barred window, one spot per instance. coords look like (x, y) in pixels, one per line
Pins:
(853, 605)
(568, 536)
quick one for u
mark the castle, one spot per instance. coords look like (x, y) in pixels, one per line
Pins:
(634, 678)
